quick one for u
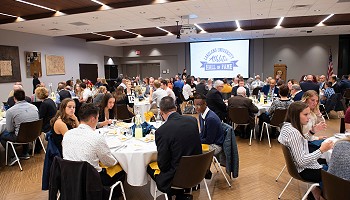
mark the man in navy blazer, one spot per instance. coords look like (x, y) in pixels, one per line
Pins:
(309, 84)
(296, 92)
(210, 125)
(271, 88)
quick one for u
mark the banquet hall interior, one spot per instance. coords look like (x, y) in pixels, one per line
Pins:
(109, 39)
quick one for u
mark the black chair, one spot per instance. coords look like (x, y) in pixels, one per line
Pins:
(277, 119)
(78, 180)
(334, 188)
(123, 113)
(240, 116)
(28, 133)
(293, 172)
(191, 171)
(256, 91)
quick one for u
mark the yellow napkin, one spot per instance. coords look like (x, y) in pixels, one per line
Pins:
(148, 116)
(205, 147)
(154, 166)
(113, 170)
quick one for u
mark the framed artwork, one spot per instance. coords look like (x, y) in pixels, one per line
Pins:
(10, 70)
(55, 65)
(33, 63)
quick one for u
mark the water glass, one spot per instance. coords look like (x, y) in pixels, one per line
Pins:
(129, 133)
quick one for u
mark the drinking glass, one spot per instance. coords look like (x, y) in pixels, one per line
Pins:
(129, 133)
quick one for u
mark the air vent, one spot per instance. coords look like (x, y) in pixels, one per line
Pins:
(54, 29)
(301, 7)
(79, 23)
(157, 19)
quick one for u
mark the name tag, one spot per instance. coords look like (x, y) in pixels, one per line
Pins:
(131, 99)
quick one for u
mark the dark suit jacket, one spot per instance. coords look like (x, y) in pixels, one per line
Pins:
(177, 137)
(211, 130)
(243, 102)
(216, 104)
(298, 96)
(234, 91)
(266, 90)
(343, 85)
(201, 89)
(309, 85)
(336, 88)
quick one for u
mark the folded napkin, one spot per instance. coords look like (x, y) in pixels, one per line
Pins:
(205, 147)
(113, 170)
(154, 166)
(146, 128)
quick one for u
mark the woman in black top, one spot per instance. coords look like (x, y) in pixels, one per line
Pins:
(47, 108)
(107, 110)
(63, 121)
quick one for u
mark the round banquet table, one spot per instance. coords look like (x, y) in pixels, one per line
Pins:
(263, 108)
(133, 156)
(142, 107)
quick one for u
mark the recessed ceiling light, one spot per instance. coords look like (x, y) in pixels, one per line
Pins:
(100, 34)
(164, 30)
(104, 6)
(259, 14)
(200, 28)
(8, 15)
(237, 24)
(36, 5)
(279, 22)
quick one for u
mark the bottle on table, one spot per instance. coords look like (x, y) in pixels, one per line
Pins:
(138, 127)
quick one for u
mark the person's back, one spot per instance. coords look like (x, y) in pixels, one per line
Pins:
(339, 164)
(201, 88)
(21, 112)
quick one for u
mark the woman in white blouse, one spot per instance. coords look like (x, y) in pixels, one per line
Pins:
(187, 90)
(291, 136)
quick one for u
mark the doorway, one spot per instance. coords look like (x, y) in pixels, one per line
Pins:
(89, 71)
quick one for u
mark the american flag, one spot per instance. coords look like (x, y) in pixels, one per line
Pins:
(330, 65)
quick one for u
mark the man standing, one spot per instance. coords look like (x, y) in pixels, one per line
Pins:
(240, 101)
(215, 100)
(210, 125)
(177, 137)
(83, 144)
(21, 112)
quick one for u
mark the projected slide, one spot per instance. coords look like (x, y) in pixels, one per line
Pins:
(221, 59)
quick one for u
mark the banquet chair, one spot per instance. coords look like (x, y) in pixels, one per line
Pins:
(191, 171)
(293, 172)
(123, 113)
(277, 119)
(240, 116)
(28, 133)
(216, 163)
(78, 180)
(334, 188)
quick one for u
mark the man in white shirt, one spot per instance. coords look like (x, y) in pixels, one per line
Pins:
(156, 96)
(164, 86)
(84, 144)
(257, 82)
(86, 94)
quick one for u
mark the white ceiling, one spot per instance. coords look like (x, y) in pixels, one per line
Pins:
(206, 10)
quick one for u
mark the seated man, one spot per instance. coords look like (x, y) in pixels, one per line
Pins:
(210, 125)
(156, 96)
(215, 101)
(177, 137)
(21, 112)
(62, 93)
(240, 101)
(270, 89)
(11, 102)
(296, 92)
(83, 144)
(240, 84)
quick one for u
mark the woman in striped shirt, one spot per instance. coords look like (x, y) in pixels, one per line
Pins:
(298, 114)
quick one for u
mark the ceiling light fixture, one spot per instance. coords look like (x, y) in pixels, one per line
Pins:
(8, 15)
(169, 33)
(98, 2)
(325, 19)
(104, 6)
(36, 5)
(101, 35)
(237, 24)
(280, 22)
(126, 31)
(200, 28)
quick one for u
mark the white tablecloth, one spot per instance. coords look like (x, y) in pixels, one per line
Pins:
(142, 107)
(263, 108)
(327, 155)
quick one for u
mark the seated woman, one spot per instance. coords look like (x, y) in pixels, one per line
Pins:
(282, 103)
(99, 95)
(292, 137)
(122, 99)
(340, 159)
(129, 91)
(63, 121)
(316, 123)
(107, 110)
